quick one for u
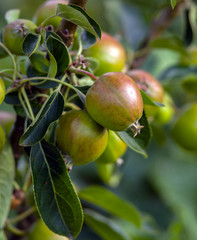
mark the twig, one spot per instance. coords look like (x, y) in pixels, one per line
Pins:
(67, 29)
(82, 72)
(22, 216)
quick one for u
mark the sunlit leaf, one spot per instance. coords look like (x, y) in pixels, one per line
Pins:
(78, 16)
(31, 43)
(50, 112)
(12, 15)
(173, 3)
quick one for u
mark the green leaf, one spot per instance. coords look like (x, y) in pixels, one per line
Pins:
(87, 39)
(39, 62)
(106, 228)
(82, 89)
(78, 16)
(50, 112)
(141, 141)
(12, 15)
(52, 66)
(118, 207)
(80, 93)
(31, 43)
(2, 236)
(173, 3)
(7, 172)
(59, 52)
(169, 42)
(56, 199)
(147, 100)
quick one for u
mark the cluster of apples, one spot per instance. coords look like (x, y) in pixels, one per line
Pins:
(113, 102)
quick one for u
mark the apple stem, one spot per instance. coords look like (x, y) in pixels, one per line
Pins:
(82, 72)
(136, 128)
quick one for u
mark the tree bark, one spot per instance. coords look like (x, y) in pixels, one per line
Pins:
(67, 29)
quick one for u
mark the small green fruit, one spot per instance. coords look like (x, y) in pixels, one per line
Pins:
(184, 131)
(15, 33)
(146, 82)
(7, 120)
(79, 136)
(114, 150)
(165, 114)
(114, 101)
(109, 53)
(2, 90)
(2, 139)
(46, 10)
(41, 232)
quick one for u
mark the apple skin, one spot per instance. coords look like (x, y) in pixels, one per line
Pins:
(2, 90)
(109, 53)
(114, 150)
(146, 82)
(114, 101)
(184, 130)
(7, 120)
(79, 136)
(46, 10)
(164, 114)
(41, 232)
(14, 34)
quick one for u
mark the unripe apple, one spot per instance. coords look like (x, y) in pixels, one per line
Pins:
(114, 150)
(7, 120)
(41, 232)
(184, 131)
(114, 101)
(46, 10)
(15, 33)
(146, 82)
(109, 53)
(2, 90)
(79, 136)
(164, 114)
